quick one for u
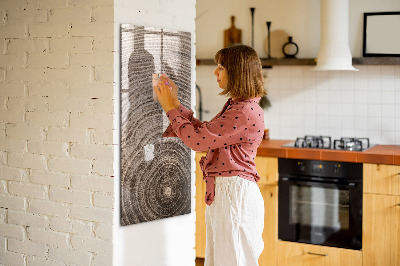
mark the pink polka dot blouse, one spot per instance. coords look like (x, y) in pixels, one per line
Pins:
(231, 139)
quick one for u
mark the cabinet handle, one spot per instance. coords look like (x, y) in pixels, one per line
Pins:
(318, 254)
(398, 204)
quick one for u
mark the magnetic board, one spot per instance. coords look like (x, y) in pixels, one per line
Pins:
(155, 172)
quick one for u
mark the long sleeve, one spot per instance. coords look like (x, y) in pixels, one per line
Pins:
(186, 113)
(231, 138)
(225, 130)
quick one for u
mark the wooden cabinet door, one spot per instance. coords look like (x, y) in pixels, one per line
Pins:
(270, 233)
(381, 230)
(381, 179)
(200, 209)
(267, 168)
(297, 254)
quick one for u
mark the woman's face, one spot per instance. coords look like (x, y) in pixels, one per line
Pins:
(222, 76)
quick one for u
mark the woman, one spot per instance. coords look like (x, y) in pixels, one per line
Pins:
(235, 207)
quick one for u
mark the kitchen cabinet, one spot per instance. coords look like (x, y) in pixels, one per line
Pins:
(381, 215)
(200, 209)
(270, 233)
(381, 230)
(267, 168)
(381, 221)
(291, 253)
(381, 179)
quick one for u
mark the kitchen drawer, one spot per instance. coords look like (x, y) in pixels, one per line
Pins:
(298, 254)
(381, 179)
(267, 168)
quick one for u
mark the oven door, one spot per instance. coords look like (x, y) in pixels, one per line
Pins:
(315, 211)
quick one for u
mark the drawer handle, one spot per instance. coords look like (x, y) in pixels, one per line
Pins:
(318, 254)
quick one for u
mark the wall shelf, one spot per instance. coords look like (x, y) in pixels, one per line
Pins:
(312, 61)
(376, 61)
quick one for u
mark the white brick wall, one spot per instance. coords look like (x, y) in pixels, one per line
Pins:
(56, 127)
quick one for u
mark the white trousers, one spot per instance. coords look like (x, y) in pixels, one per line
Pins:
(234, 223)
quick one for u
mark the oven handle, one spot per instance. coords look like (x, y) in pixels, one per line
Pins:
(297, 181)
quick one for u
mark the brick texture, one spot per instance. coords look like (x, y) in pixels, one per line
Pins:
(71, 44)
(20, 46)
(56, 127)
(71, 165)
(26, 16)
(91, 214)
(103, 231)
(71, 226)
(27, 247)
(28, 219)
(12, 89)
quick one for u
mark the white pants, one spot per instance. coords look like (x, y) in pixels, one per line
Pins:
(234, 223)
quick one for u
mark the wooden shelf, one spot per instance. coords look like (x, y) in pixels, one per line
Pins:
(312, 61)
(376, 61)
(288, 62)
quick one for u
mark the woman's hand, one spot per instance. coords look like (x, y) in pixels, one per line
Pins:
(164, 94)
(174, 90)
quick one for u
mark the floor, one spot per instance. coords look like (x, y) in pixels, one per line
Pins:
(199, 262)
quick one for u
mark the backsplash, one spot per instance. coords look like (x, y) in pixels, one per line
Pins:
(332, 103)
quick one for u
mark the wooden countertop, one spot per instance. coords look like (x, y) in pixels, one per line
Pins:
(379, 154)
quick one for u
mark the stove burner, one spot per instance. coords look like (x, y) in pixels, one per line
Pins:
(308, 141)
(351, 144)
(324, 142)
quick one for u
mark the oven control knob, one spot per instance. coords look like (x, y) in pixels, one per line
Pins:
(336, 169)
(302, 167)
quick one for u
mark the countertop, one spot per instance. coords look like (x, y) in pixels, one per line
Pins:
(379, 154)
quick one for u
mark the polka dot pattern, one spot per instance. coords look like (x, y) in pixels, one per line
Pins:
(231, 138)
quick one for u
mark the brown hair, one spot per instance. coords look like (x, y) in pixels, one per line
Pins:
(245, 78)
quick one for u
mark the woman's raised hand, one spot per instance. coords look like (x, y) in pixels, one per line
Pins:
(174, 89)
(163, 91)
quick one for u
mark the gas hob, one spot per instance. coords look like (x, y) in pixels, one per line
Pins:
(325, 142)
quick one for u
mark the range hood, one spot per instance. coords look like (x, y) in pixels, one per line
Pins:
(334, 51)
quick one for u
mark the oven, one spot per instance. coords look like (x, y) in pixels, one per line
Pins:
(320, 202)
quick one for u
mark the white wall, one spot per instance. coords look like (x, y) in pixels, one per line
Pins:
(338, 104)
(168, 241)
(299, 18)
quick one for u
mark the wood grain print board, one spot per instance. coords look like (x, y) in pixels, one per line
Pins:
(155, 171)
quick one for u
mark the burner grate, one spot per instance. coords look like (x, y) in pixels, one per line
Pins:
(321, 142)
(324, 142)
(351, 144)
